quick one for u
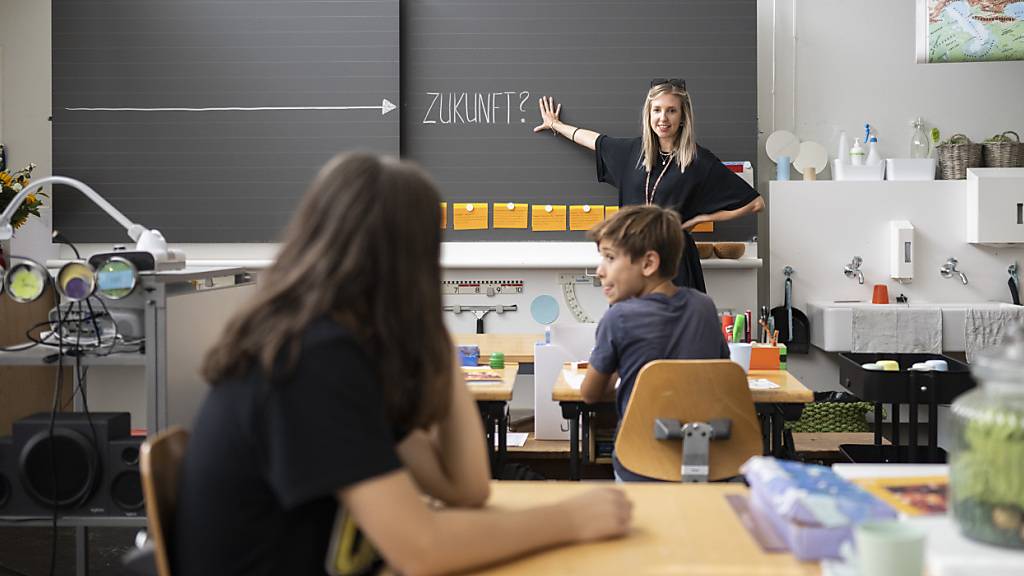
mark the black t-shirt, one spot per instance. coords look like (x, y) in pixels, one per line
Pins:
(705, 186)
(265, 461)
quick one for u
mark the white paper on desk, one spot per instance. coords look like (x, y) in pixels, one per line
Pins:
(574, 379)
(761, 384)
(513, 439)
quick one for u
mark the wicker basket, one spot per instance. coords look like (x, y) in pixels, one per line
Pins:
(1004, 154)
(956, 156)
(833, 417)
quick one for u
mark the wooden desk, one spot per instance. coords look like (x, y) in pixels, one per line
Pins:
(677, 529)
(767, 403)
(516, 347)
(492, 400)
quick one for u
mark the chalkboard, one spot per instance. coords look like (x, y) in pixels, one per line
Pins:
(178, 154)
(465, 74)
(472, 71)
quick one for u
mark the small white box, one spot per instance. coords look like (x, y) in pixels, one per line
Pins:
(995, 205)
(851, 172)
(910, 169)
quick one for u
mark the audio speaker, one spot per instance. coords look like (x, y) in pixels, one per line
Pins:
(89, 466)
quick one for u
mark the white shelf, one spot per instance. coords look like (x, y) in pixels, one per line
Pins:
(36, 357)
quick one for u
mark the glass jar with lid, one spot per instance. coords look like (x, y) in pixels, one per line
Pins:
(986, 465)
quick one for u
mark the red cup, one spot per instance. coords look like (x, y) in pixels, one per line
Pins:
(727, 321)
(880, 295)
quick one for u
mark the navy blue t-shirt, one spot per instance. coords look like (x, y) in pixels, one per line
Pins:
(636, 331)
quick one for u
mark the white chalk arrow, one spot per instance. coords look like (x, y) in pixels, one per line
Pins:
(385, 107)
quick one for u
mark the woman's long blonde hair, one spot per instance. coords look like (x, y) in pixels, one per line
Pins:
(685, 145)
(363, 248)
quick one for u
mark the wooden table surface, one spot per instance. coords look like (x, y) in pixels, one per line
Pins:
(790, 390)
(496, 391)
(677, 529)
(516, 347)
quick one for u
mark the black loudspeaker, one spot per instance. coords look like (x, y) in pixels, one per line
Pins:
(97, 466)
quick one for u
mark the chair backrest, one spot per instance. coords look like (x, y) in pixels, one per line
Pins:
(688, 391)
(160, 462)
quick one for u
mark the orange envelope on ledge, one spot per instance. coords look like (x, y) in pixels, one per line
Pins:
(548, 221)
(470, 216)
(585, 216)
(511, 215)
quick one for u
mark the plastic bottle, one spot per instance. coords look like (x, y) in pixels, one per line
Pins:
(843, 154)
(874, 158)
(919, 145)
(857, 153)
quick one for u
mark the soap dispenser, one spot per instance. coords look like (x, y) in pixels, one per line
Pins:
(901, 259)
(857, 153)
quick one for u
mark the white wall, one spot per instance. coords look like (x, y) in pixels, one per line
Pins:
(840, 63)
(26, 72)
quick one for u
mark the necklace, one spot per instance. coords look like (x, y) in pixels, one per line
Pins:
(648, 191)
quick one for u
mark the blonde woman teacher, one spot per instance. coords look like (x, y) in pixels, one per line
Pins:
(665, 166)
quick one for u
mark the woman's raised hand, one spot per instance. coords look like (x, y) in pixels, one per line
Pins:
(548, 114)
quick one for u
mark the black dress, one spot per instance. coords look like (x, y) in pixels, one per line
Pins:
(705, 186)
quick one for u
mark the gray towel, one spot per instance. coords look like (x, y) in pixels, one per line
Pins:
(985, 327)
(897, 330)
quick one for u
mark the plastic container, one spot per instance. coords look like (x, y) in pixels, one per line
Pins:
(851, 172)
(986, 473)
(874, 157)
(857, 153)
(896, 387)
(910, 169)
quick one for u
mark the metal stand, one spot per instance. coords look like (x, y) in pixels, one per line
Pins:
(480, 312)
(697, 437)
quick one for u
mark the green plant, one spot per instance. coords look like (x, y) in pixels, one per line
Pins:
(935, 135)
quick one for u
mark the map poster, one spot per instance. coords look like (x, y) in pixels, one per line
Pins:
(969, 30)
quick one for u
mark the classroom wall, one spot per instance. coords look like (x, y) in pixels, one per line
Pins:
(838, 64)
(25, 106)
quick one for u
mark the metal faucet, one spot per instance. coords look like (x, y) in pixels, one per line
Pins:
(853, 269)
(948, 269)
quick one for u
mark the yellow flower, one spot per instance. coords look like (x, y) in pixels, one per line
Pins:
(5, 178)
(31, 198)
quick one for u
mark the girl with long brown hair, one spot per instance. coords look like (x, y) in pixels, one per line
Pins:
(664, 166)
(337, 385)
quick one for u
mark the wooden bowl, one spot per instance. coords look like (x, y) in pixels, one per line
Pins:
(706, 250)
(730, 250)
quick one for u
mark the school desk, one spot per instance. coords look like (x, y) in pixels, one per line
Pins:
(677, 529)
(492, 400)
(766, 402)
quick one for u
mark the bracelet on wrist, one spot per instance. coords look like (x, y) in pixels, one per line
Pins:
(574, 134)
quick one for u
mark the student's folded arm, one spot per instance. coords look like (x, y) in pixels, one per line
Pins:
(596, 385)
(450, 462)
(416, 540)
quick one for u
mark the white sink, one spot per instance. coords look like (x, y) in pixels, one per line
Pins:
(832, 322)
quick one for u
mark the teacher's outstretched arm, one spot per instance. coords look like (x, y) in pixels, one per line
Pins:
(549, 121)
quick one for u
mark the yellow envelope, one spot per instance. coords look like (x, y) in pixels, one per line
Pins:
(609, 210)
(511, 215)
(545, 221)
(470, 216)
(585, 216)
(444, 215)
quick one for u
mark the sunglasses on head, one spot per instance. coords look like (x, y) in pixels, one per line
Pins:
(677, 82)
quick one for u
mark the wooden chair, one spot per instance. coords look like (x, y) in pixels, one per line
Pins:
(160, 463)
(688, 391)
